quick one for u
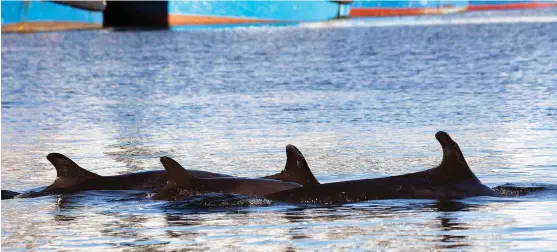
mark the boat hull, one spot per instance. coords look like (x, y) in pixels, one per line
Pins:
(218, 13)
(382, 8)
(487, 5)
(37, 16)
(238, 12)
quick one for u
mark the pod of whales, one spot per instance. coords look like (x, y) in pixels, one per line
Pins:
(71, 178)
(452, 179)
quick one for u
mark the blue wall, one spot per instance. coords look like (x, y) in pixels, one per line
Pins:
(407, 3)
(270, 10)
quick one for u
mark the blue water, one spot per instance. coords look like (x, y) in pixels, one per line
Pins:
(360, 101)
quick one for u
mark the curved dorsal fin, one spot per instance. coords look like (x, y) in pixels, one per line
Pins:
(176, 173)
(177, 176)
(296, 169)
(453, 165)
(68, 173)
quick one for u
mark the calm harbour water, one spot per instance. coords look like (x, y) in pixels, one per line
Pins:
(359, 102)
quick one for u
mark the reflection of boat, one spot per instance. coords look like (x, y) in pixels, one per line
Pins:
(33, 16)
(479, 5)
(378, 8)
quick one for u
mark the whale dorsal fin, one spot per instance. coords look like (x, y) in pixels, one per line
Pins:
(453, 166)
(177, 176)
(68, 173)
(176, 173)
(296, 169)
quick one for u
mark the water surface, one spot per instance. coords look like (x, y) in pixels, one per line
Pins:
(359, 101)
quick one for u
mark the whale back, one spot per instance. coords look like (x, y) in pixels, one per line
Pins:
(296, 169)
(452, 179)
(68, 173)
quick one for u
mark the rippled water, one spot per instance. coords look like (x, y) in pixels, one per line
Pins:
(359, 101)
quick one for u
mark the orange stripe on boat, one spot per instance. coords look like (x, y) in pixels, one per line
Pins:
(511, 6)
(382, 12)
(174, 20)
(44, 26)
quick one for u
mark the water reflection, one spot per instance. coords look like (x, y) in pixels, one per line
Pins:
(453, 206)
(373, 218)
(132, 218)
(449, 222)
(65, 204)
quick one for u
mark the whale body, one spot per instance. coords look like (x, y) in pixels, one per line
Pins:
(71, 178)
(452, 179)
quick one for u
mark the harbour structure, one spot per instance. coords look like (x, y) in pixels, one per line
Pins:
(34, 16)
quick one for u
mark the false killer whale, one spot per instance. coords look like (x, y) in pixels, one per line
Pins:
(72, 178)
(182, 184)
(452, 179)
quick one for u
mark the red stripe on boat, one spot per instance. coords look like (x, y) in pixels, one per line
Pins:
(527, 5)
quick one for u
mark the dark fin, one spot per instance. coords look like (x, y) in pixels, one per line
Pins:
(68, 173)
(296, 169)
(8, 194)
(176, 172)
(177, 176)
(453, 166)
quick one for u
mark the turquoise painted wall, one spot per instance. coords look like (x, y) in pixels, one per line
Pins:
(407, 3)
(275, 10)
